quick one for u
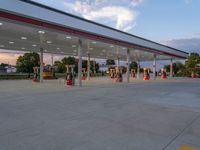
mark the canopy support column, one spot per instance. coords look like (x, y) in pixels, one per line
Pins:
(118, 62)
(138, 69)
(94, 66)
(88, 68)
(52, 61)
(171, 68)
(79, 62)
(154, 67)
(128, 66)
(41, 65)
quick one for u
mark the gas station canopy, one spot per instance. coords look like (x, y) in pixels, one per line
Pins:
(29, 26)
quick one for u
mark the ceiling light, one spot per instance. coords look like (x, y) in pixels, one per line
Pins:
(94, 42)
(1, 24)
(111, 46)
(123, 48)
(11, 42)
(58, 48)
(41, 32)
(2, 46)
(49, 42)
(73, 45)
(24, 38)
(34, 45)
(68, 37)
(45, 50)
(23, 48)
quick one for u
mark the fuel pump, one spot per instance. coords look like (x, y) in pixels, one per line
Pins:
(83, 73)
(70, 76)
(163, 73)
(112, 73)
(133, 73)
(146, 74)
(118, 77)
(36, 74)
(194, 75)
(48, 73)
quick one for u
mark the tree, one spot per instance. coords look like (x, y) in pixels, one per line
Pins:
(69, 61)
(61, 65)
(4, 65)
(192, 62)
(56, 63)
(61, 68)
(174, 68)
(133, 65)
(26, 62)
(110, 62)
(178, 69)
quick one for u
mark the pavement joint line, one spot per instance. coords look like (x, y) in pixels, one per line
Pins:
(179, 134)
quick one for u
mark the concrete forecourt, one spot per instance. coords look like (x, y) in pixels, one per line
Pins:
(154, 115)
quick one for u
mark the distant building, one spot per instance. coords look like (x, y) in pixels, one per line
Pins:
(8, 69)
(103, 68)
(11, 69)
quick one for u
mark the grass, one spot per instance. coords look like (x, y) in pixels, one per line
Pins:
(23, 76)
(14, 76)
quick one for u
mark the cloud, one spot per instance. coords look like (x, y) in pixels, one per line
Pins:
(9, 57)
(188, 1)
(120, 14)
(196, 35)
(186, 44)
(136, 2)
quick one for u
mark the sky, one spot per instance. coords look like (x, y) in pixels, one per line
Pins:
(174, 23)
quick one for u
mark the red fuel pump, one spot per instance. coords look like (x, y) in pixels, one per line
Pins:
(194, 75)
(163, 73)
(133, 73)
(70, 79)
(146, 74)
(83, 73)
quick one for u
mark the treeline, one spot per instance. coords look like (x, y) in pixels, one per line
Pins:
(191, 66)
(26, 63)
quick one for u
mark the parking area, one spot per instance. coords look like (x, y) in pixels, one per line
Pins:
(102, 115)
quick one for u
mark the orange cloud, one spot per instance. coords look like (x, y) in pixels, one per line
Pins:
(9, 58)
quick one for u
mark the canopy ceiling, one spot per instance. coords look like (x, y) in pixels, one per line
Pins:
(28, 26)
